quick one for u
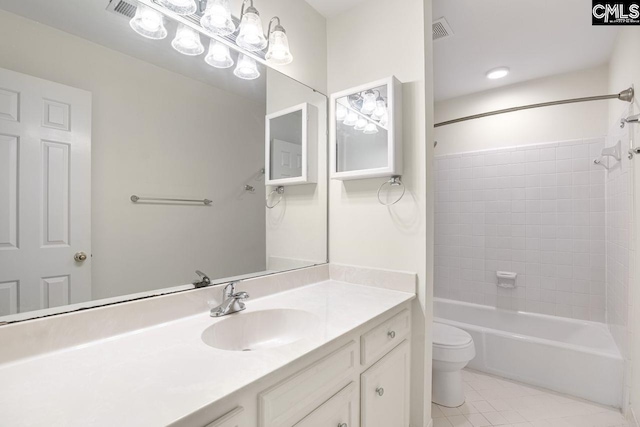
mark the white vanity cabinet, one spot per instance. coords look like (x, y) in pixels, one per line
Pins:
(360, 380)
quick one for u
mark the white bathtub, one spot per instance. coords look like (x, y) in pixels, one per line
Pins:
(575, 357)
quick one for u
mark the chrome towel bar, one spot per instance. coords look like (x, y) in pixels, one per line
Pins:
(136, 199)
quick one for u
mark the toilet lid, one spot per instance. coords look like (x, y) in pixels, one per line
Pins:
(449, 336)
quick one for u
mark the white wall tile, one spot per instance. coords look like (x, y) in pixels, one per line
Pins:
(542, 212)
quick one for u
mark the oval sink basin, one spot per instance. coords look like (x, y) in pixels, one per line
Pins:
(260, 330)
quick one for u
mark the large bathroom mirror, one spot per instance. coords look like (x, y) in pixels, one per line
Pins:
(127, 163)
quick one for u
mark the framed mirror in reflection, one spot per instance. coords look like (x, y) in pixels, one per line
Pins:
(125, 166)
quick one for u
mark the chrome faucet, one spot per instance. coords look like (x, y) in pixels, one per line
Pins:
(232, 301)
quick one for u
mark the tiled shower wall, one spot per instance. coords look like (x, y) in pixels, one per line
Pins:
(537, 210)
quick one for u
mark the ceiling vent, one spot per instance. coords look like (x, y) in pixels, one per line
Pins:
(441, 29)
(122, 7)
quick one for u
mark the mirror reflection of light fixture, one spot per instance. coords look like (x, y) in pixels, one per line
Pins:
(371, 129)
(181, 7)
(368, 102)
(278, 52)
(217, 18)
(384, 121)
(351, 119)
(219, 55)
(148, 23)
(187, 41)
(361, 124)
(381, 108)
(247, 68)
(251, 36)
(341, 112)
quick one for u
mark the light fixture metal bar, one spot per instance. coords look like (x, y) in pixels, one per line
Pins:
(626, 95)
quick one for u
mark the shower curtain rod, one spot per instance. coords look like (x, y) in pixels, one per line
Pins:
(625, 95)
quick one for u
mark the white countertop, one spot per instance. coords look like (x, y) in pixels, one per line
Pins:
(158, 375)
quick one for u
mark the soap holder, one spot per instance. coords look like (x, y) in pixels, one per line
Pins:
(506, 279)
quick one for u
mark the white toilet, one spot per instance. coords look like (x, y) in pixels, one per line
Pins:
(452, 349)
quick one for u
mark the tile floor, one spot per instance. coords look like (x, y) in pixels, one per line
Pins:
(494, 401)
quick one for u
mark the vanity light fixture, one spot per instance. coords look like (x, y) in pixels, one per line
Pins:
(219, 55)
(341, 112)
(497, 73)
(148, 23)
(251, 36)
(181, 7)
(361, 124)
(246, 68)
(278, 52)
(187, 41)
(368, 103)
(351, 119)
(381, 108)
(217, 18)
(371, 129)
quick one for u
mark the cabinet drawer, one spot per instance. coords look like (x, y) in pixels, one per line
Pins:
(341, 410)
(384, 390)
(292, 399)
(381, 339)
(230, 419)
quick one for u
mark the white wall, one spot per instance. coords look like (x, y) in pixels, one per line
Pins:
(155, 133)
(297, 227)
(624, 69)
(367, 43)
(557, 123)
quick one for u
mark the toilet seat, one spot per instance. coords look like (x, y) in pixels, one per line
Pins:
(451, 344)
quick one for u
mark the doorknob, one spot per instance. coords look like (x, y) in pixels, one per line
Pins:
(80, 257)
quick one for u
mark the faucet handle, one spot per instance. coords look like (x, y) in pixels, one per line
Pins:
(229, 290)
(205, 280)
(241, 295)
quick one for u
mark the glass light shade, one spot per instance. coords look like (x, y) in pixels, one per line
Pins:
(368, 103)
(341, 112)
(351, 119)
(384, 121)
(246, 68)
(251, 36)
(148, 23)
(187, 41)
(181, 7)
(360, 124)
(218, 55)
(371, 129)
(217, 18)
(279, 53)
(380, 110)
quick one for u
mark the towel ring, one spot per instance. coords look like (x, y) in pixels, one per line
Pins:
(393, 182)
(278, 190)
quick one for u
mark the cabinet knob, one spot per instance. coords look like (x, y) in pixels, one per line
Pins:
(343, 425)
(391, 334)
(380, 391)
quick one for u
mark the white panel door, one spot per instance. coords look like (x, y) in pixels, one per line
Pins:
(286, 159)
(45, 193)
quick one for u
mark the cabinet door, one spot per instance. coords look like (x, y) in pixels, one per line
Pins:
(385, 390)
(339, 411)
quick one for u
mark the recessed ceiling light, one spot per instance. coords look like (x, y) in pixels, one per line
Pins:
(497, 73)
